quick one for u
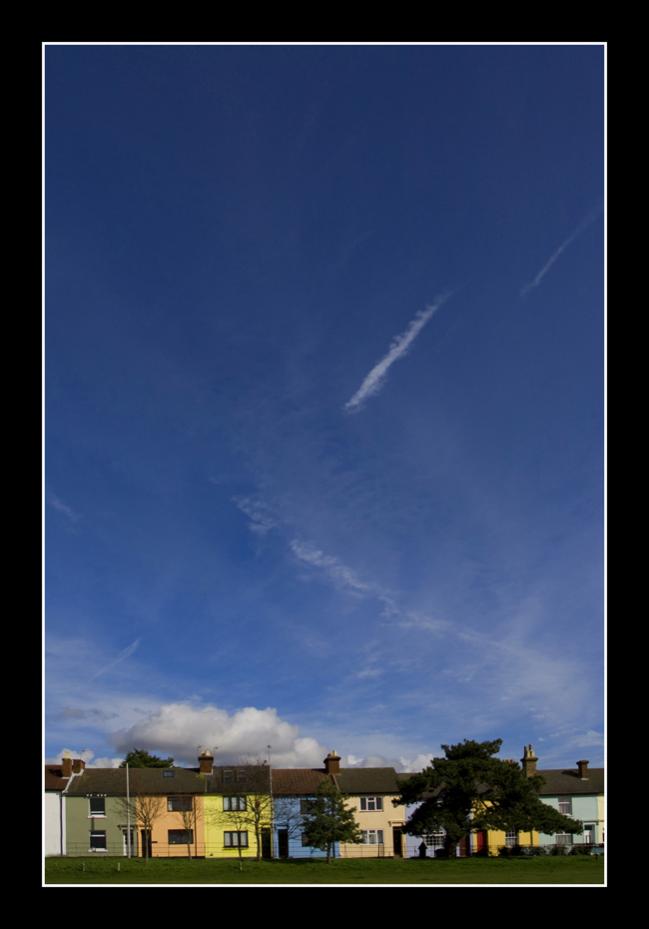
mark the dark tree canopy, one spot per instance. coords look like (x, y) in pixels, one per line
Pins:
(139, 758)
(471, 789)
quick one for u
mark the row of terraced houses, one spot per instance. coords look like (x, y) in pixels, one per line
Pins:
(216, 811)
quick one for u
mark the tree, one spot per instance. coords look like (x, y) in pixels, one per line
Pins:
(470, 789)
(190, 815)
(328, 820)
(143, 810)
(139, 758)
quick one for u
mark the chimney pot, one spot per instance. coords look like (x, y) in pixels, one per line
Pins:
(529, 761)
(206, 762)
(332, 763)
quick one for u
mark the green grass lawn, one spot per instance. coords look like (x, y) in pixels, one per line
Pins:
(546, 870)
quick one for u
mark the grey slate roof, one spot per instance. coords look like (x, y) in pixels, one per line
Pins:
(297, 782)
(355, 781)
(150, 781)
(567, 781)
(234, 779)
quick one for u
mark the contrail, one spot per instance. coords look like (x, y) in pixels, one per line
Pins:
(123, 655)
(398, 348)
(583, 225)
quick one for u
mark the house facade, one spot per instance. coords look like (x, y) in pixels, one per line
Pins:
(237, 810)
(56, 777)
(145, 812)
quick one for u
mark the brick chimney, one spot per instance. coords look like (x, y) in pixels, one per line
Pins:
(206, 761)
(529, 761)
(66, 767)
(78, 766)
(332, 763)
(582, 770)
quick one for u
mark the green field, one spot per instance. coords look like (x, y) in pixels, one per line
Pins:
(546, 870)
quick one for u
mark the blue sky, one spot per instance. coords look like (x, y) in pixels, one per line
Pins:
(324, 422)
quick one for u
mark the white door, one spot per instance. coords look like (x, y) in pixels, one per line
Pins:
(133, 842)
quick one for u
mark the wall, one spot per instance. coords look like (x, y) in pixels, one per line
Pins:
(54, 823)
(217, 821)
(585, 808)
(387, 819)
(79, 825)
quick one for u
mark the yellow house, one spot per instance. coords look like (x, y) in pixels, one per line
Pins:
(237, 810)
(370, 792)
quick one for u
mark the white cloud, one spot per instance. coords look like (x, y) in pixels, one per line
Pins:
(178, 729)
(398, 348)
(86, 755)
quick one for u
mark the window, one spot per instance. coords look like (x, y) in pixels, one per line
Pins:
(235, 839)
(168, 773)
(511, 838)
(228, 775)
(98, 841)
(234, 803)
(372, 836)
(370, 804)
(97, 806)
(179, 804)
(565, 805)
(563, 838)
(306, 806)
(180, 836)
(305, 841)
(435, 839)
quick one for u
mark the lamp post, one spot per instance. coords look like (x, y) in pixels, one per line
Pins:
(270, 794)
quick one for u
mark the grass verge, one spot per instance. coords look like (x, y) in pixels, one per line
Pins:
(538, 870)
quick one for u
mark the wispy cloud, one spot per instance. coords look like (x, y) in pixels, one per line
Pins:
(123, 655)
(339, 573)
(398, 348)
(261, 519)
(583, 225)
(58, 504)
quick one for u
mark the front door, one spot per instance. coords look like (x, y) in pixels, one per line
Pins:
(265, 843)
(589, 834)
(133, 842)
(282, 843)
(147, 845)
(397, 834)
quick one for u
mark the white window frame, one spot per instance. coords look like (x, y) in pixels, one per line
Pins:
(372, 836)
(233, 839)
(563, 838)
(511, 838)
(435, 839)
(92, 815)
(371, 804)
(565, 805)
(235, 803)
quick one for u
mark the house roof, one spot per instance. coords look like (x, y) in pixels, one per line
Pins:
(54, 779)
(368, 781)
(166, 781)
(567, 781)
(297, 781)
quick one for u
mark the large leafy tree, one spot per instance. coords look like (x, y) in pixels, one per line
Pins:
(471, 789)
(328, 820)
(139, 758)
